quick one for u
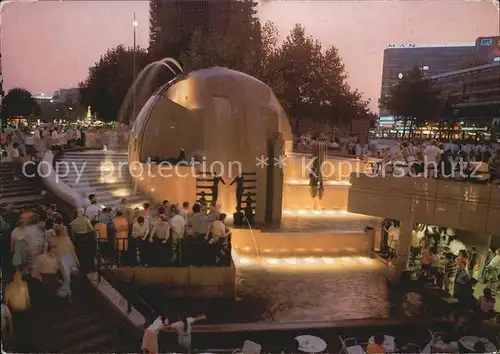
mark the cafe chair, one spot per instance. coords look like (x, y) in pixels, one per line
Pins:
(350, 346)
(413, 348)
(249, 347)
(434, 335)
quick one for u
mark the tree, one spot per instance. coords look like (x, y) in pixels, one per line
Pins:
(109, 80)
(314, 81)
(19, 102)
(472, 62)
(414, 100)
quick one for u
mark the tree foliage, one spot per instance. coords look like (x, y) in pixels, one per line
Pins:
(314, 81)
(49, 111)
(414, 99)
(109, 80)
(19, 102)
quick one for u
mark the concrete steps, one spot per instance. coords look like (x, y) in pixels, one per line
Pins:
(96, 177)
(21, 193)
(58, 327)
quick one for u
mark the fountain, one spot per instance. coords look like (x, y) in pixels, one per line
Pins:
(225, 117)
(150, 72)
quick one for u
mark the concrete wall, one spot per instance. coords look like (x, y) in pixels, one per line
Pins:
(299, 197)
(176, 184)
(458, 205)
(206, 282)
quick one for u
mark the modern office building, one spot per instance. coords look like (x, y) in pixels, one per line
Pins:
(474, 94)
(173, 22)
(433, 60)
(488, 50)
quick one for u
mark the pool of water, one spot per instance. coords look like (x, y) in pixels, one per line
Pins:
(347, 290)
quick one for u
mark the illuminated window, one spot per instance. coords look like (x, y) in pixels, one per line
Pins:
(425, 67)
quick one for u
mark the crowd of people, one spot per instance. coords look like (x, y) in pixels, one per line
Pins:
(432, 158)
(168, 234)
(33, 142)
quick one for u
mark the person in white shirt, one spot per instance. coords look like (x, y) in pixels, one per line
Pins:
(184, 211)
(178, 227)
(160, 235)
(92, 211)
(183, 329)
(431, 156)
(393, 239)
(150, 339)
(30, 145)
(140, 233)
(220, 238)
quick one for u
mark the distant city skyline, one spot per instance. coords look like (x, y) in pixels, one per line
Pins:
(47, 46)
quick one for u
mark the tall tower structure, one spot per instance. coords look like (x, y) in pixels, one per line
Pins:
(173, 22)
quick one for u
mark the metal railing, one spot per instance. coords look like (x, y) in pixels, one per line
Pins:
(128, 292)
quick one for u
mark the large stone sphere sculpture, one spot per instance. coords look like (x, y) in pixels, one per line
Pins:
(222, 116)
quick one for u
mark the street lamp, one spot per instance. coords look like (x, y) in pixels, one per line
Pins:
(134, 25)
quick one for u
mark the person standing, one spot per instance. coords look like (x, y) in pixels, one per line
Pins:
(183, 329)
(83, 235)
(159, 236)
(121, 227)
(17, 298)
(215, 187)
(178, 227)
(68, 260)
(140, 233)
(198, 223)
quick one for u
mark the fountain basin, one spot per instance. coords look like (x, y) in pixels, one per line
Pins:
(183, 282)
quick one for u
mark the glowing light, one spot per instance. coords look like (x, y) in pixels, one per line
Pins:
(283, 250)
(347, 259)
(364, 259)
(318, 213)
(272, 261)
(328, 260)
(246, 248)
(300, 249)
(121, 192)
(318, 250)
(310, 260)
(305, 182)
(245, 261)
(152, 190)
(291, 260)
(142, 178)
(267, 250)
(106, 167)
(108, 180)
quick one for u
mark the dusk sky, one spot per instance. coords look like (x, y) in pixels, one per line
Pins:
(50, 45)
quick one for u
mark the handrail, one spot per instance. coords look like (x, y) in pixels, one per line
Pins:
(136, 297)
(52, 182)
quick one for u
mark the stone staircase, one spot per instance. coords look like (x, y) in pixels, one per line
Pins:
(23, 192)
(102, 173)
(55, 326)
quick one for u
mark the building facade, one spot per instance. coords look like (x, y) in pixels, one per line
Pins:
(488, 50)
(474, 95)
(432, 61)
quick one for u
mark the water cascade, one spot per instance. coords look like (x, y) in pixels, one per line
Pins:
(149, 73)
